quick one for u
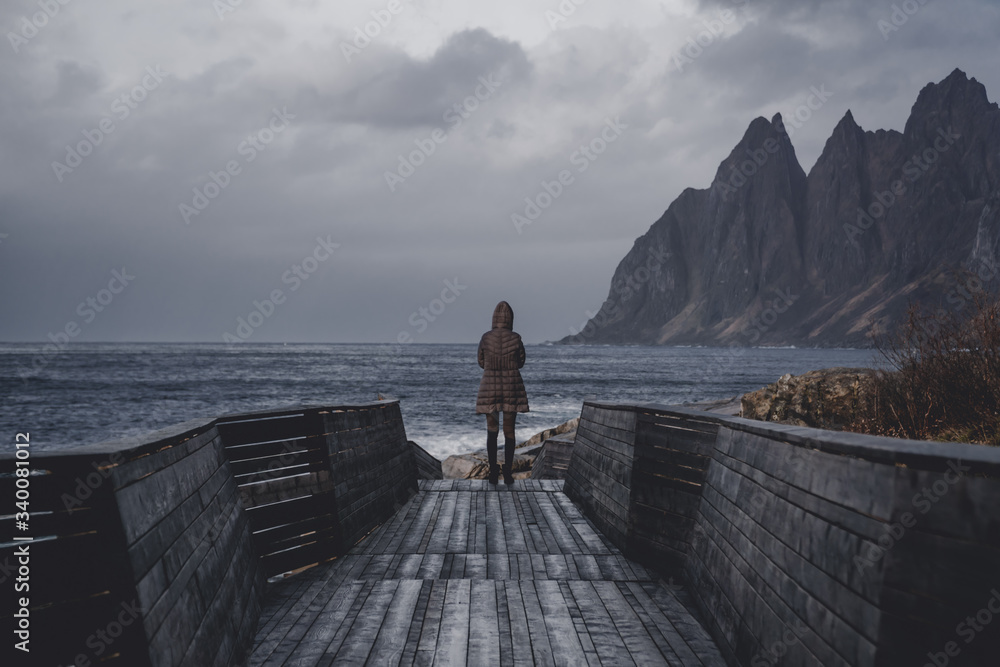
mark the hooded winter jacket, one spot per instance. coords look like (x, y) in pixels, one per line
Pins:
(501, 354)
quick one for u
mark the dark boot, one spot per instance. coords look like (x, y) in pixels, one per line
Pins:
(508, 466)
(491, 453)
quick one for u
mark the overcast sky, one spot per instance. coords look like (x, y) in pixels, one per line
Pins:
(113, 114)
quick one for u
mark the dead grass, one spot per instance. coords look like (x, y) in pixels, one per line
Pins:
(942, 380)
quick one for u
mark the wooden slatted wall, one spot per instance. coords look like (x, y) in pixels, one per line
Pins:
(600, 475)
(280, 464)
(553, 458)
(428, 467)
(374, 470)
(315, 480)
(672, 454)
(801, 535)
(78, 571)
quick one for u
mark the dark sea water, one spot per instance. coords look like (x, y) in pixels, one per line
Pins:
(97, 392)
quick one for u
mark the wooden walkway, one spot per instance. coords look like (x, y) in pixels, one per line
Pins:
(466, 573)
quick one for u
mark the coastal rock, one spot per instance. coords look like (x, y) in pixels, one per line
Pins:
(475, 465)
(769, 256)
(827, 398)
(538, 438)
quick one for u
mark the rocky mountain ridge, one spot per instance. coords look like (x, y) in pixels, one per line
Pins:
(769, 255)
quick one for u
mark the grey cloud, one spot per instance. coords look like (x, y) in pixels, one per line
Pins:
(394, 91)
(452, 218)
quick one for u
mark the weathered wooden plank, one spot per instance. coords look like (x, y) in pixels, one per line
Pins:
(520, 634)
(267, 429)
(694, 635)
(459, 538)
(657, 625)
(476, 566)
(333, 649)
(453, 638)
(360, 640)
(484, 623)
(637, 640)
(514, 526)
(541, 649)
(563, 639)
(606, 638)
(427, 645)
(409, 655)
(431, 567)
(481, 546)
(496, 538)
(392, 636)
(321, 632)
(415, 528)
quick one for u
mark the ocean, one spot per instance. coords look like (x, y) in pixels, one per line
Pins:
(89, 393)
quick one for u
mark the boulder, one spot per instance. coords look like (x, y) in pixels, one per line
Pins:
(827, 398)
(475, 465)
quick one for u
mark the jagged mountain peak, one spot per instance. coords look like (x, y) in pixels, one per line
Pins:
(770, 256)
(955, 99)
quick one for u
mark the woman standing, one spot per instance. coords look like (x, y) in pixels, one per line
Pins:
(501, 354)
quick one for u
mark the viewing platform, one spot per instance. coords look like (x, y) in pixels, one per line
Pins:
(468, 573)
(320, 535)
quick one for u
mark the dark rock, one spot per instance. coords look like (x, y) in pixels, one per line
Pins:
(476, 466)
(827, 398)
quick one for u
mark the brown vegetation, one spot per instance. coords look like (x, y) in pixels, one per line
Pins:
(943, 377)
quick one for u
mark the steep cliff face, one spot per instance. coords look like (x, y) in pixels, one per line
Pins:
(767, 255)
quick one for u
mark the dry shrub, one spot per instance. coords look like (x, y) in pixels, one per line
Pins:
(943, 377)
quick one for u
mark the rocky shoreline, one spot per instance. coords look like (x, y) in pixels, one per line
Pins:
(476, 466)
(826, 398)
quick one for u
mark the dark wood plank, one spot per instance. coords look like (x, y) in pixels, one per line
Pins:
(392, 637)
(453, 638)
(484, 623)
(607, 640)
(563, 639)
(427, 645)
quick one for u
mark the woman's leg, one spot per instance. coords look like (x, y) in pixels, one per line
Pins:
(508, 446)
(492, 434)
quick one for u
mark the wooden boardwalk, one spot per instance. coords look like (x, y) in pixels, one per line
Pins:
(466, 573)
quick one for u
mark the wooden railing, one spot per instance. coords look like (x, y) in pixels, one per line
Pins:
(154, 550)
(801, 545)
(316, 480)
